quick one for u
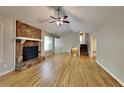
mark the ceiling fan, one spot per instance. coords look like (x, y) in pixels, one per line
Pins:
(59, 20)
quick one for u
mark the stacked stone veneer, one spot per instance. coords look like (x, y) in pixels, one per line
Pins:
(25, 30)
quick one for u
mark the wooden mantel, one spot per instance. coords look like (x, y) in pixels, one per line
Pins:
(23, 39)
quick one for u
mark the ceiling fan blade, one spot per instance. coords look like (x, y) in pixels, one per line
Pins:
(65, 17)
(52, 21)
(66, 21)
(53, 17)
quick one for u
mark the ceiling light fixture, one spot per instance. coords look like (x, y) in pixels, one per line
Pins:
(59, 23)
(59, 20)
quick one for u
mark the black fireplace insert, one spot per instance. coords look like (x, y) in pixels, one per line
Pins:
(30, 52)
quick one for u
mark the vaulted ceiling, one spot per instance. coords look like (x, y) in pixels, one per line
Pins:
(82, 18)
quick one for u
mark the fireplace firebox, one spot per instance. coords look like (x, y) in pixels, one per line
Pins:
(30, 52)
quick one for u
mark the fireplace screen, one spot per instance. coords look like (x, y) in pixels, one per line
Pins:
(30, 52)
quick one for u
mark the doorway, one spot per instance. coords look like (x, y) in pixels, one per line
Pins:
(93, 45)
(83, 43)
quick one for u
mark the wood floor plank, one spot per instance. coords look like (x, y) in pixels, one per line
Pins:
(61, 70)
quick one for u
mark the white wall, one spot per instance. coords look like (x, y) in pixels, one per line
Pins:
(1, 42)
(110, 46)
(8, 45)
(65, 43)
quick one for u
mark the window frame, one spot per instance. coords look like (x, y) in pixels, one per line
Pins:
(52, 40)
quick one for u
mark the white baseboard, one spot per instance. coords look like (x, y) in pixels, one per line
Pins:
(110, 73)
(1, 74)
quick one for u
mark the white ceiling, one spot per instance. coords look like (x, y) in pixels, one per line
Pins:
(84, 18)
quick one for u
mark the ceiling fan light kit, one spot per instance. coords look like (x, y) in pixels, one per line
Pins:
(59, 23)
(59, 20)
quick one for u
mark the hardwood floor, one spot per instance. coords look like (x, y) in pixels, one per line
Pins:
(61, 70)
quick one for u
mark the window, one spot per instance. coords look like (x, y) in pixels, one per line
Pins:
(48, 43)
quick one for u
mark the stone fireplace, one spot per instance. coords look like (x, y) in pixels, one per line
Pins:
(28, 45)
